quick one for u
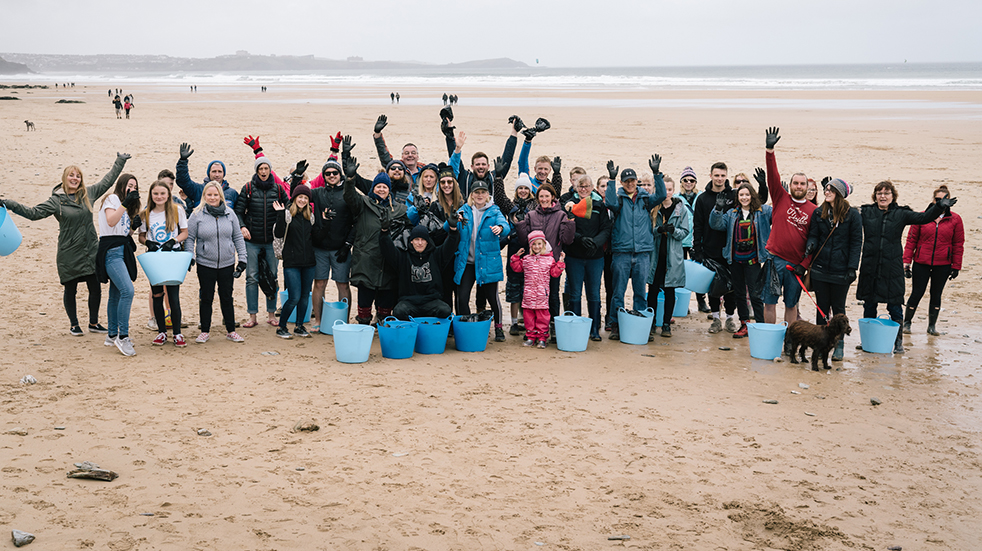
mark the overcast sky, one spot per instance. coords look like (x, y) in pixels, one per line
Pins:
(570, 33)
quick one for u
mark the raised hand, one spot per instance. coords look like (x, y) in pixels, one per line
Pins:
(186, 151)
(724, 201)
(347, 145)
(499, 167)
(336, 142)
(520, 252)
(461, 138)
(557, 165)
(529, 134)
(380, 123)
(132, 198)
(301, 168)
(135, 223)
(947, 202)
(516, 123)
(277, 206)
(826, 180)
(446, 113)
(760, 176)
(772, 137)
(654, 163)
(350, 165)
(252, 142)
(612, 170)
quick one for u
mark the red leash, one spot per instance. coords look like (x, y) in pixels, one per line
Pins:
(802, 283)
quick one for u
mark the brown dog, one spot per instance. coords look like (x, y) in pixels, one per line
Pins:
(802, 335)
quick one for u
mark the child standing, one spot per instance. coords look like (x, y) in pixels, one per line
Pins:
(164, 227)
(539, 266)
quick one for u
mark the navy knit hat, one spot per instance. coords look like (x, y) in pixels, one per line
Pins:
(332, 164)
(382, 178)
(419, 231)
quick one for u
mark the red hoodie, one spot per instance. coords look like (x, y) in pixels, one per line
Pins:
(789, 224)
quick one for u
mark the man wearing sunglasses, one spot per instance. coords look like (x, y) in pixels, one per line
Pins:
(333, 250)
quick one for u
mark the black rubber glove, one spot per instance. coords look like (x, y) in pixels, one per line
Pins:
(612, 170)
(460, 219)
(452, 222)
(826, 180)
(541, 125)
(557, 165)
(947, 202)
(772, 137)
(191, 265)
(760, 176)
(724, 201)
(499, 167)
(386, 222)
(851, 275)
(529, 134)
(239, 268)
(300, 168)
(124, 156)
(446, 113)
(186, 151)
(380, 123)
(516, 123)
(153, 246)
(447, 129)
(350, 166)
(343, 253)
(654, 163)
(169, 245)
(589, 245)
(346, 146)
(135, 223)
(953, 275)
(696, 255)
(809, 249)
(799, 270)
(132, 198)
(666, 228)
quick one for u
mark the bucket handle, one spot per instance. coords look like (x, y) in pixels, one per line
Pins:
(344, 300)
(884, 317)
(336, 322)
(570, 313)
(784, 323)
(392, 318)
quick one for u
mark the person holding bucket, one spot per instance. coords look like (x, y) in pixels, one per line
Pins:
(933, 252)
(420, 271)
(216, 241)
(835, 242)
(299, 229)
(115, 260)
(540, 268)
(671, 225)
(881, 272)
(71, 205)
(164, 227)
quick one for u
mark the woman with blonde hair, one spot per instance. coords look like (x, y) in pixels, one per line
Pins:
(71, 205)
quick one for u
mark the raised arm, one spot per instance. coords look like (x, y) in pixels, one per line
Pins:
(95, 191)
(190, 188)
(384, 156)
(774, 187)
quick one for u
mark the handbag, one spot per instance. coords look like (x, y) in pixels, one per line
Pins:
(279, 241)
(807, 280)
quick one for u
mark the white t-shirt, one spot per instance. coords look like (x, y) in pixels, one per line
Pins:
(158, 226)
(122, 227)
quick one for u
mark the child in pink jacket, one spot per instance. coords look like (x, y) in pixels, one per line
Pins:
(538, 266)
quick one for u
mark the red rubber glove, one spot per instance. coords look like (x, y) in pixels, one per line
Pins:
(336, 143)
(253, 143)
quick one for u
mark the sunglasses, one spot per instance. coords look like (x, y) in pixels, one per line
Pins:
(331, 173)
(688, 180)
(738, 182)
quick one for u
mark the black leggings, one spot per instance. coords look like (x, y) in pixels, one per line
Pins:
(173, 300)
(488, 291)
(383, 299)
(207, 278)
(747, 284)
(830, 297)
(938, 275)
(95, 297)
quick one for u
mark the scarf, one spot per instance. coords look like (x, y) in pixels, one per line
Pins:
(215, 211)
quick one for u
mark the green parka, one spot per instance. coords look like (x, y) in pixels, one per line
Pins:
(368, 268)
(78, 240)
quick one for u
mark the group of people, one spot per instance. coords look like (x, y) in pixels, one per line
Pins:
(417, 240)
(121, 105)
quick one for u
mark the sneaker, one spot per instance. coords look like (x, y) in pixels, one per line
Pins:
(179, 341)
(614, 334)
(125, 345)
(300, 331)
(234, 337)
(742, 332)
(152, 324)
(160, 340)
(110, 340)
(541, 345)
(521, 325)
(716, 326)
(283, 333)
(730, 326)
(513, 331)
(499, 334)
(666, 330)
(76, 331)
(528, 342)
(202, 338)
(97, 328)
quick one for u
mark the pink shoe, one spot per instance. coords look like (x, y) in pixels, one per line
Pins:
(234, 337)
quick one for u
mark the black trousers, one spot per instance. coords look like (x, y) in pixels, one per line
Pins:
(208, 278)
(488, 292)
(174, 301)
(922, 273)
(830, 297)
(436, 308)
(746, 279)
(95, 297)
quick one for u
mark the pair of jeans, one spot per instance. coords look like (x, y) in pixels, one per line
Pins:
(746, 278)
(938, 276)
(580, 271)
(298, 282)
(634, 267)
(95, 297)
(120, 293)
(252, 275)
(207, 279)
(173, 300)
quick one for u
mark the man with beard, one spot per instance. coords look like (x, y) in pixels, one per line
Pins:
(789, 234)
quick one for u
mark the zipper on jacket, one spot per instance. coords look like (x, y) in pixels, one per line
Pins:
(937, 226)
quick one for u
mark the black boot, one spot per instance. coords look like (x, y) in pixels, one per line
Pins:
(898, 345)
(567, 305)
(909, 317)
(703, 305)
(593, 307)
(575, 306)
(932, 318)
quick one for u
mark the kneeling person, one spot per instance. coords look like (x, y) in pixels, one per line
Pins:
(419, 271)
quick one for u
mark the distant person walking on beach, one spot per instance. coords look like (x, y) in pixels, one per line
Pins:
(118, 104)
(444, 98)
(397, 97)
(127, 106)
(392, 96)
(110, 92)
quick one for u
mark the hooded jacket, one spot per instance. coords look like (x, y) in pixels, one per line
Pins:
(368, 268)
(538, 270)
(78, 241)
(193, 189)
(338, 229)
(632, 217)
(254, 208)
(841, 251)
(487, 248)
(678, 216)
(937, 243)
(215, 241)
(551, 221)
(420, 275)
(707, 242)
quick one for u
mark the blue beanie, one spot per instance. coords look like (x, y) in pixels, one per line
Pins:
(382, 178)
(208, 172)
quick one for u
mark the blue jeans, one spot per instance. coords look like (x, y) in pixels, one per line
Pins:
(252, 270)
(120, 293)
(633, 266)
(298, 282)
(580, 270)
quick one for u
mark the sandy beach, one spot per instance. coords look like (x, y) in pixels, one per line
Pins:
(669, 443)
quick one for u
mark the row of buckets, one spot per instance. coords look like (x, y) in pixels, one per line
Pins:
(400, 339)
(876, 334)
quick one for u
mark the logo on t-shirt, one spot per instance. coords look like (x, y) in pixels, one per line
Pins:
(421, 274)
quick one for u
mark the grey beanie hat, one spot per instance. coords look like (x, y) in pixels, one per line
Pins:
(262, 160)
(841, 186)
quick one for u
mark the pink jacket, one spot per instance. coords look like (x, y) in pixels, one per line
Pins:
(538, 269)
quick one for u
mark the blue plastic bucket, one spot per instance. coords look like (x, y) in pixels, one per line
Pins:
(431, 335)
(766, 339)
(572, 332)
(285, 296)
(471, 336)
(10, 237)
(698, 278)
(878, 335)
(681, 310)
(352, 342)
(398, 338)
(332, 312)
(634, 329)
(165, 267)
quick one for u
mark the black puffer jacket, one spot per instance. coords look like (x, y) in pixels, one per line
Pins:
(339, 225)
(707, 242)
(597, 227)
(881, 274)
(838, 259)
(254, 207)
(300, 233)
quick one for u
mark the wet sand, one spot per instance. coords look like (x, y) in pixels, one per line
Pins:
(669, 443)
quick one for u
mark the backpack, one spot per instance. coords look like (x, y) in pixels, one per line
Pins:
(279, 241)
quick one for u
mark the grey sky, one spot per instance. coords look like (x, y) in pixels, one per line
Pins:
(568, 33)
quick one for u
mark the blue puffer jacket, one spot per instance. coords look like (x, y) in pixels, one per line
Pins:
(727, 221)
(687, 242)
(632, 222)
(487, 249)
(675, 268)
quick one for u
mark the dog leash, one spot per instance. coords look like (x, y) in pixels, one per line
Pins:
(796, 276)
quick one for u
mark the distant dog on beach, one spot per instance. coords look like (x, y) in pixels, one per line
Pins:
(802, 335)
(30, 125)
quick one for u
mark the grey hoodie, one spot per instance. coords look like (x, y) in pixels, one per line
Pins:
(215, 241)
